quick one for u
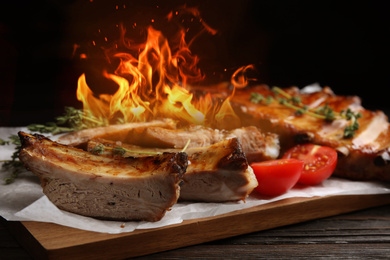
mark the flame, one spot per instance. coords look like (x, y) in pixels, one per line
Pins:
(239, 78)
(153, 81)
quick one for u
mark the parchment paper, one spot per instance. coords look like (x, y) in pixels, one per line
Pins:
(24, 200)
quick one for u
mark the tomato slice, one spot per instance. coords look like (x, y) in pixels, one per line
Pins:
(277, 176)
(320, 162)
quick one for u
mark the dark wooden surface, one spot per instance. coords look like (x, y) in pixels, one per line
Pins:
(359, 235)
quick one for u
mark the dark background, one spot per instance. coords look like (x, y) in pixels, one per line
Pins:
(342, 44)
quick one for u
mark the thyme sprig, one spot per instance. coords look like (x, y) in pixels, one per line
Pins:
(121, 151)
(14, 165)
(258, 98)
(72, 120)
(118, 150)
(325, 112)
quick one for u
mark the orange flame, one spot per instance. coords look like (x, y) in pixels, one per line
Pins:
(239, 78)
(155, 84)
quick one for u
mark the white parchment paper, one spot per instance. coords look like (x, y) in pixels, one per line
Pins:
(24, 200)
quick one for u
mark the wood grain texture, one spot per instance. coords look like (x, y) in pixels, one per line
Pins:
(51, 241)
(362, 234)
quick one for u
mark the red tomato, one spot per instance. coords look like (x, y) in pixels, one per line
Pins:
(320, 162)
(277, 176)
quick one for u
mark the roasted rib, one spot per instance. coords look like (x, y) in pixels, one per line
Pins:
(257, 145)
(117, 132)
(215, 173)
(366, 156)
(104, 187)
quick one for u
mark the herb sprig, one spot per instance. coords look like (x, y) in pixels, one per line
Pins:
(14, 165)
(118, 150)
(72, 120)
(325, 112)
(121, 151)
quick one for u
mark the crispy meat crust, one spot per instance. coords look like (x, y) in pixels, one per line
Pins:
(366, 156)
(219, 172)
(104, 187)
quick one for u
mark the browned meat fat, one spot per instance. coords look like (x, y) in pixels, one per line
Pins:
(366, 156)
(120, 132)
(257, 145)
(104, 187)
(219, 172)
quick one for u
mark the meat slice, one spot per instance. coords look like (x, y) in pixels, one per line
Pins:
(365, 156)
(119, 132)
(215, 173)
(101, 186)
(162, 137)
(257, 145)
(218, 173)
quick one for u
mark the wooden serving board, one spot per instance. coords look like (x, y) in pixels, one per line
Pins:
(52, 241)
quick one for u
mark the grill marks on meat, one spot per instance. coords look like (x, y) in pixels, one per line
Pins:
(363, 157)
(104, 187)
(216, 173)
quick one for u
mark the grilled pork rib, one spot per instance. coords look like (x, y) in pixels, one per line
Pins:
(366, 156)
(104, 187)
(216, 173)
(119, 132)
(257, 146)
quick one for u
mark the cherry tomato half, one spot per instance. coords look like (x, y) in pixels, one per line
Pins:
(320, 162)
(277, 176)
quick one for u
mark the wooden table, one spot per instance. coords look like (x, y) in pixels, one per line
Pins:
(358, 235)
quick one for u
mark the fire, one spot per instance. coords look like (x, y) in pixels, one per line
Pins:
(154, 82)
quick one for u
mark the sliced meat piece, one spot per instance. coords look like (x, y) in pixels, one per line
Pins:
(162, 137)
(101, 186)
(258, 146)
(119, 132)
(366, 156)
(218, 173)
(215, 173)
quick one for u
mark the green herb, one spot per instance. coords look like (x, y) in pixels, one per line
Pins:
(72, 120)
(257, 98)
(98, 149)
(118, 150)
(349, 131)
(14, 165)
(325, 112)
